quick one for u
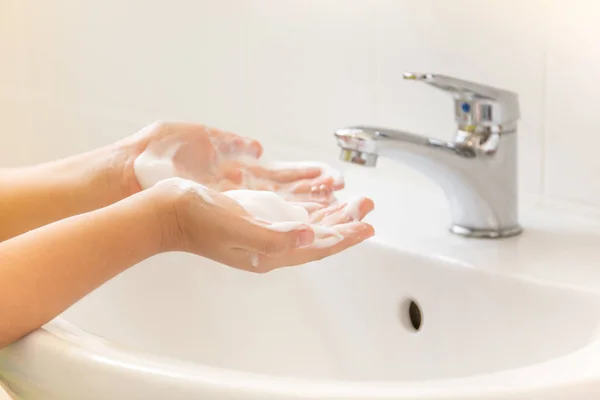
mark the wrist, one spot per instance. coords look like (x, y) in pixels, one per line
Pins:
(119, 159)
(164, 199)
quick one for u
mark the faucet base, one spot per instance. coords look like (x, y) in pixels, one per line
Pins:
(486, 233)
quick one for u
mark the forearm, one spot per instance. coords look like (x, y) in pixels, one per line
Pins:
(46, 270)
(34, 196)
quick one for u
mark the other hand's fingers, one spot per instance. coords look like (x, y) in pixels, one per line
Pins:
(318, 187)
(285, 174)
(230, 143)
(318, 216)
(310, 206)
(355, 210)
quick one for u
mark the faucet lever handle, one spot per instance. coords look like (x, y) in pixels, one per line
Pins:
(477, 106)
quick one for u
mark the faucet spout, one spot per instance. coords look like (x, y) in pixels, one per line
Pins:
(370, 142)
(476, 172)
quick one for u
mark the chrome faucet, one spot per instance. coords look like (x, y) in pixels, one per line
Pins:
(477, 170)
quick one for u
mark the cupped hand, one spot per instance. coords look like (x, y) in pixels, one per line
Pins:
(336, 229)
(222, 161)
(203, 221)
(295, 181)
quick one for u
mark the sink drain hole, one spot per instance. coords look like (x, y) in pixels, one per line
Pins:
(411, 315)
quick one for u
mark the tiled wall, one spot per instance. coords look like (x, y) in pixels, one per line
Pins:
(76, 74)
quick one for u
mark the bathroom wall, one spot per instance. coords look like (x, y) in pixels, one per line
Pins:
(75, 74)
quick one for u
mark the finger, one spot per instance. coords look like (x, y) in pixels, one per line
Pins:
(240, 174)
(316, 188)
(266, 238)
(307, 197)
(225, 141)
(354, 234)
(318, 191)
(309, 206)
(243, 179)
(319, 215)
(338, 184)
(358, 209)
(229, 144)
(286, 175)
(354, 211)
(232, 171)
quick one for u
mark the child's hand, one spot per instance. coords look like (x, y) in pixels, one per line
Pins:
(220, 160)
(206, 222)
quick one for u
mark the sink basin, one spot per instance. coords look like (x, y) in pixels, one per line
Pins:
(344, 318)
(373, 322)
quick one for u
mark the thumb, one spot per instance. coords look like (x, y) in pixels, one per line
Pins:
(272, 239)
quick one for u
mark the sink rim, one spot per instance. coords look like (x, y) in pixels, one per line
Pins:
(63, 341)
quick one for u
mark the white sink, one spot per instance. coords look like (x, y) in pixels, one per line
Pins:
(340, 328)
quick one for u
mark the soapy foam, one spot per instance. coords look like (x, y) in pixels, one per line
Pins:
(273, 208)
(191, 186)
(307, 205)
(254, 260)
(283, 216)
(286, 226)
(269, 206)
(155, 164)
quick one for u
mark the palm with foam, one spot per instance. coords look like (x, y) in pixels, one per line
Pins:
(258, 231)
(224, 161)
